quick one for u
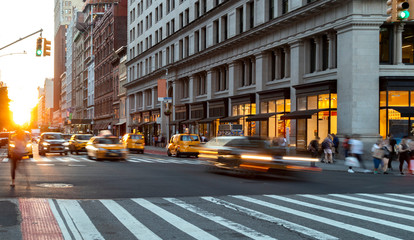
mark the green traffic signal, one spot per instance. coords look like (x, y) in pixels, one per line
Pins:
(403, 14)
(39, 52)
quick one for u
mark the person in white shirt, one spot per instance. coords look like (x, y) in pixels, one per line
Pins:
(357, 149)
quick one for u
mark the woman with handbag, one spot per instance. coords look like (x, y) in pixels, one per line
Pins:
(404, 154)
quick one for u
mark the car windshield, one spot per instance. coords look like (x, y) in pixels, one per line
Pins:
(84, 137)
(53, 136)
(26, 135)
(108, 141)
(189, 138)
(136, 137)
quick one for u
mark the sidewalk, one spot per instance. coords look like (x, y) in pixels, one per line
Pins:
(338, 165)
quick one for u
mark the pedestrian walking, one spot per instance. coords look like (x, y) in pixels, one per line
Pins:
(327, 146)
(378, 154)
(313, 147)
(403, 154)
(357, 150)
(19, 149)
(393, 153)
(346, 146)
(335, 141)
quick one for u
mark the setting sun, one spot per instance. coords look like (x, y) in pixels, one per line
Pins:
(22, 102)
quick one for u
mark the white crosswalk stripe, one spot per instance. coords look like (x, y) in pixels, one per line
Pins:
(235, 217)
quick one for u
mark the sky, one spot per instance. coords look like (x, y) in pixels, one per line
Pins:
(24, 73)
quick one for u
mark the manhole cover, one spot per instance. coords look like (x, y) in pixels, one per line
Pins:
(55, 185)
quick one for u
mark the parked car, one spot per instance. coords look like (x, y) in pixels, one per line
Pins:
(106, 147)
(4, 138)
(183, 144)
(11, 145)
(77, 142)
(134, 142)
(52, 142)
(254, 154)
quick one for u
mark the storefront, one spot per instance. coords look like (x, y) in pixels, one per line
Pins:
(396, 112)
(273, 105)
(217, 109)
(316, 112)
(241, 108)
(181, 114)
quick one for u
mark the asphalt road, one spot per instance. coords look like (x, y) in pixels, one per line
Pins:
(169, 196)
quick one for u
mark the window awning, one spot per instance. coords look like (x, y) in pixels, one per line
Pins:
(300, 114)
(231, 119)
(209, 120)
(191, 120)
(405, 111)
(120, 123)
(260, 117)
(176, 122)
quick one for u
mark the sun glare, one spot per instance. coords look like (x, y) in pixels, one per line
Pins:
(21, 104)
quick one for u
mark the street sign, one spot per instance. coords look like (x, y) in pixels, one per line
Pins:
(168, 99)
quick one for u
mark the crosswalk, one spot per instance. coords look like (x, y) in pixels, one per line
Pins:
(131, 159)
(301, 216)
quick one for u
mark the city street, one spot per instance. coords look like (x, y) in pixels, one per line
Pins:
(150, 196)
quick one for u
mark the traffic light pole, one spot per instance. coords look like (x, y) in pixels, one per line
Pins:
(20, 39)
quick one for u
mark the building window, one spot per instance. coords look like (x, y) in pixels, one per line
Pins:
(408, 44)
(325, 52)
(386, 45)
(250, 6)
(312, 55)
(222, 78)
(196, 41)
(202, 83)
(203, 38)
(216, 33)
(187, 16)
(271, 9)
(248, 72)
(285, 6)
(197, 10)
(224, 28)
(239, 20)
(184, 88)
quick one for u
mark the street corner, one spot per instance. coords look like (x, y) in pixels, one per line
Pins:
(10, 220)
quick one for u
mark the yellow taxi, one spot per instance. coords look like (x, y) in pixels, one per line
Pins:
(29, 147)
(101, 147)
(183, 144)
(134, 142)
(77, 142)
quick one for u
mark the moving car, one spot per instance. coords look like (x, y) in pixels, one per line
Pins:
(52, 142)
(183, 144)
(134, 142)
(77, 142)
(29, 147)
(253, 154)
(106, 147)
(4, 138)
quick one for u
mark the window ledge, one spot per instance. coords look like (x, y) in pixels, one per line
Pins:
(401, 70)
(321, 75)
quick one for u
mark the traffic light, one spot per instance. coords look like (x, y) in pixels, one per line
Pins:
(39, 47)
(398, 10)
(46, 48)
(402, 9)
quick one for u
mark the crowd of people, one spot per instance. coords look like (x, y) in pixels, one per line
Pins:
(384, 152)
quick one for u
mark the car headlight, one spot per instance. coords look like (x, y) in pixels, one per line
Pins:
(12, 145)
(29, 145)
(65, 144)
(45, 144)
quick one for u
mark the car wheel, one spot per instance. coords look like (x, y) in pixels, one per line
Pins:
(89, 157)
(142, 151)
(31, 156)
(169, 153)
(196, 155)
(178, 154)
(66, 153)
(77, 152)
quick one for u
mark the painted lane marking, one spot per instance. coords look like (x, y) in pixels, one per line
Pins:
(345, 213)
(400, 195)
(281, 222)
(174, 220)
(410, 209)
(61, 223)
(246, 231)
(78, 221)
(324, 220)
(138, 229)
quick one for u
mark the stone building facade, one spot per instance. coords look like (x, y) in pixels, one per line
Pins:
(282, 69)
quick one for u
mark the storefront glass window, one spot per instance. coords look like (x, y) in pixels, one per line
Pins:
(272, 127)
(287, 107)
(383, 99)
(241, 110)
(334, 100)
(301, 104)
(272, 107)
(383, 122)
(234, 110)
(408, 44)
(263, 107)
(312, 102)
(398, 98)
(263, 128)
(397, 125)
(334, 122)
(312, 130)
(323, 101)
(253, 109)
(301, 134)
(412, 98)
(280, 105)
(323, 124)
